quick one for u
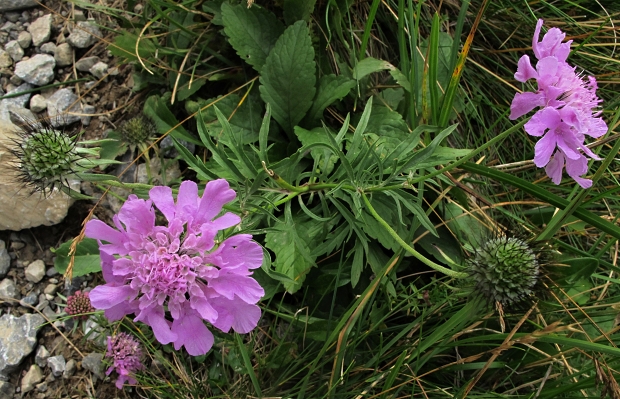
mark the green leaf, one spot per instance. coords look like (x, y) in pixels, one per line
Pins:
(325, 158)
(331, 88)
(296, 10)
(369, 65)
(87, 258)
(164, 119)
(245, 120)
(125, 46)
(291, 247)
(252, 31)
(288, 77)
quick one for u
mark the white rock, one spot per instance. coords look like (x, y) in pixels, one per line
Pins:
(99, 70)
(15, 50)
(32, 378)
(38, 103)
(41, 29)
(84, 64)
(48, 48)
(58, 107)
(58, 365)
(24, 39)
(18, 339)
(8, 5)
(38, 70)
(87, 110)
(35, 271)
(84, 34)
(5, 59)
(63, 54)
(8, 289)
(41, 356)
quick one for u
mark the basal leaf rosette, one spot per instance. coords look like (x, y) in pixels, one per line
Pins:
(176, 277)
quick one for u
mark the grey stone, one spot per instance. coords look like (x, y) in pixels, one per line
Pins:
(29, 300)
(38, 70)
(50, 289)
(38, 103)
(41, 356)
(10, 5)
(48, 48)
(84, 64)
(32, 378)
(18, 337)
(92, 330)
(99, 70)
(41, 29)
(24, 39)
(58, 364)
(20, 115)
(5, 59)
(51, 272)
(63, 54)
(42, 387)
(5, 260)
(7, 390)
(35, 271)
(49, 313)
(15, 80)
(58, 105)
(19, 101)
(93, 362)
(8, 26)
(8, 289)
(84, 34)
(78, 15)
(12, 16)
(170, 150)
(70, 369)
(15, 50)
(89, 110)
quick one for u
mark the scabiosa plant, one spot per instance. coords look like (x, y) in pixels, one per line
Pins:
(505, 269)
(567, 108)
(138, 130)
(175, 277)
(126, 355)
(78, 304)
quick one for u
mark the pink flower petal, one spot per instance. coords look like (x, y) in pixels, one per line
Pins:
(544, 148)
(525, 70)
(245, 288)
(217, 193)
(522, 103)
(546, 119)
(106, 296)
(162, 198)
(235, 313)
(193, 334)
(555, 167)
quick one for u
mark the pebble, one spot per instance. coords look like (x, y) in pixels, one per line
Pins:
(8, 289)
(19, 101)
(8, 26)
(15, 50)
(5, 59)
(42, 387)
(38, 70)
(84, 64)
(12, 16)
(63, 54)
(78, 15)
(48, 48)
(87, 109)
(38, 103)
(15, 80)
(29, 300)
(70, 369)
(82, 34)
(5, 260)
(50, 289)
(17, 4)
(58, 364)
(41, 356)
(31, 379)
(7, 390)
(41, 29)
(93, 362)
(35, 271)
(18, 339)
(24, 39)
(58, 104)
(99, 70)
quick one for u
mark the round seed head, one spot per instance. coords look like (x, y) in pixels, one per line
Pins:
(138, 130)
(505, 269)
(78, 304)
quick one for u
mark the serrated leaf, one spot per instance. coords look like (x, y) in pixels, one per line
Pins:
(296, 10)
(288, 77)
(252, 31)
(369, 65)
(87, 258)
(331, 88)
(292, 253)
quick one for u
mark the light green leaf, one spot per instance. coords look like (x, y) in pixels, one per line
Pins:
(325, 158)
(296, 10)
(87, 258)
(331, 88)
(290, 245)
(369, 65)
(252, 31)
(164, 119)
(288, 77)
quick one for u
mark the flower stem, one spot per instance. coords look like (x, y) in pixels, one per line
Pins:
(409, 248)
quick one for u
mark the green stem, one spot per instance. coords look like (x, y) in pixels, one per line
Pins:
(409, 248)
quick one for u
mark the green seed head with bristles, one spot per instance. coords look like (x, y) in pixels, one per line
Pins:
(138, 130)
(505, 269)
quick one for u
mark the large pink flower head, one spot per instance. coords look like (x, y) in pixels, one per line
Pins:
(567, 107)
(175, 277)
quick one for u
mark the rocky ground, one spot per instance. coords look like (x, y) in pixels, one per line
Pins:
(56, 55)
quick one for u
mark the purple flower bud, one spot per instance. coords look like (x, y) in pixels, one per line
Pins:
(78, 304)
(126, 354)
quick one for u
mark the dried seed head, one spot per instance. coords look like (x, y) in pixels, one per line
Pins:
(505, 269)
(78, 304)
(138, 130)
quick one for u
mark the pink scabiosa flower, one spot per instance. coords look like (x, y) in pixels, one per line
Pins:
(78, 305)
(175, 277)
(567, 108)
(126, 355)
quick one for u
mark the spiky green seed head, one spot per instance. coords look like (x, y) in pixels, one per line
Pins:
(138, 130)
(45, 157)
(505, 269)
